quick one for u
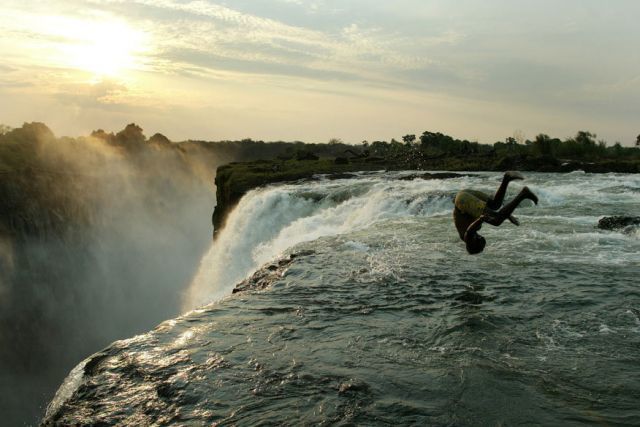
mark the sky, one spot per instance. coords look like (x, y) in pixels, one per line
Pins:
(313, 70)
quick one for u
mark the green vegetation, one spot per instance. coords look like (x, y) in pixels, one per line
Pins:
(30, 150)
(583, 147)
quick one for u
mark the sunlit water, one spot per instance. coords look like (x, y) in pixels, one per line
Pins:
(384, 318)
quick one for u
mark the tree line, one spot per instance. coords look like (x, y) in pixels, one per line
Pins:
(583, 146)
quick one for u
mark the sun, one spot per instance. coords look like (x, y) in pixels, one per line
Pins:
(108, 49)
(102, 48)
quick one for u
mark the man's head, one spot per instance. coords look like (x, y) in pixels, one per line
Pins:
(476, 244)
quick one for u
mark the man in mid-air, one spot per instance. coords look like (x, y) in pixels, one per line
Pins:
(472, 208)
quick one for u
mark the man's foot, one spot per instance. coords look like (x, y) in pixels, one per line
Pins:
(514, 220)
(528, 194)
(513, 175)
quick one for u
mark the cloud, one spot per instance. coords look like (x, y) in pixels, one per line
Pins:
(573, 57)
(208, 29)
(204, 38)
(252, 65)
(105, 92)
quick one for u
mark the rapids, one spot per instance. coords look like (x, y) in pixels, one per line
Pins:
(384, 319)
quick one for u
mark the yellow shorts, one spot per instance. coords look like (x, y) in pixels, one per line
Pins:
(471, 202)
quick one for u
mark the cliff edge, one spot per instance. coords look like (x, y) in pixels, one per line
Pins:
(234, 180)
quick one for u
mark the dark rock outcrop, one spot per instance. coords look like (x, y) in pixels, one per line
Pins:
(267, 275)
(618, 222)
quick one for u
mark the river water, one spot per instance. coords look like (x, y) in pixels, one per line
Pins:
(382, 317)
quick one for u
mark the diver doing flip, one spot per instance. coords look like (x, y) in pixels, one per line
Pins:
(472, 208)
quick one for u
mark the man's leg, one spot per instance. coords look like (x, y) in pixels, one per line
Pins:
(498, 198)
(497, 217)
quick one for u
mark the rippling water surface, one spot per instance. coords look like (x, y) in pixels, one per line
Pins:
(383, 318)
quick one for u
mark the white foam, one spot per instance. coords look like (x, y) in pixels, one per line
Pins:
(356, 246)
(269, 221)
(604, 329)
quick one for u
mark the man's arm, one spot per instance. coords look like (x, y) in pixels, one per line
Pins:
(474, 227)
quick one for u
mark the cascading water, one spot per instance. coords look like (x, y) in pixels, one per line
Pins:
(383, 318)
(268, 221)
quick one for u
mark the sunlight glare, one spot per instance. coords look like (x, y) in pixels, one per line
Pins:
(101, 48)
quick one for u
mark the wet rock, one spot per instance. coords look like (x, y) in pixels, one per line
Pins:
(267, 275)
(306, 252)
(618, 222)
(165, 391)
(353, 386)
(91, 367)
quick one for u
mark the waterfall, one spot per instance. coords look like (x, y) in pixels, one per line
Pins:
(268, 221)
